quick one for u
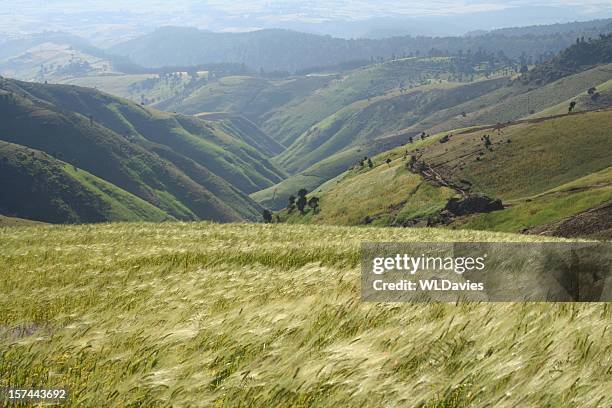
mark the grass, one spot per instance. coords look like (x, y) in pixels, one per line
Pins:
(539, 157)
(269, 315)
(368, 119)
(513, 102)
(294, 119)
(561, 202)
(333, 168)
(116, 84)
(39, 187)
(570, 175)
(14, 222)
(385, 195)
(123, 206)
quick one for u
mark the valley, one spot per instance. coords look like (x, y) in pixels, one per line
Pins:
(187, 215)
(214, 144)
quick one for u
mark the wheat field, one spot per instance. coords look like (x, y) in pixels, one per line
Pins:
(202, 314)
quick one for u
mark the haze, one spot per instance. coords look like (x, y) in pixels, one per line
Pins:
(107, 22)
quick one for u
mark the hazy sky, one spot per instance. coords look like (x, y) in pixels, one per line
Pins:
(101, 18)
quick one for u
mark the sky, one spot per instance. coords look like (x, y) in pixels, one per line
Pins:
(102, 19)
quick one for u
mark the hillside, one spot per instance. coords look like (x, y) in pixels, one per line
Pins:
(187, 167)
(578, 57)
(37, 186)
(255, 98)
(571, 175)
(362, 121)
(286, 108)
(16, 222)
(506, 102)
(271, 315)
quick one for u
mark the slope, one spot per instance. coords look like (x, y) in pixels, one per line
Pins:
(506, 103)
(365, 120)
(254, 98)
(38, 187)
(543, 170)
(209, 144)
(55, 127)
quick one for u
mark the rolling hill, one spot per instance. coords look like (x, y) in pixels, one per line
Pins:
(187, 167)
(504, 101)
(362, 121)
(544, 170)
(37, 186)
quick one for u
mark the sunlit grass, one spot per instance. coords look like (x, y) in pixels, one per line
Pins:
(270, 315)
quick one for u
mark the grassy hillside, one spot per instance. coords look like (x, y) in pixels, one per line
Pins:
(541, 154)
(270, 315)
(599, 98)
(248, 132)
(567, 201)
(252, 97)
(313, 177)
(506, 103)
(288, 123)
(16, 222)
(365, 120)
(545, 170)
(213, 146)
(42, 188)
(513, 102)
(147, 153)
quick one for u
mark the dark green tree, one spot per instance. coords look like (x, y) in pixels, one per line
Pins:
(314, 204)
(267, 216)
(301, 200)
(370, 164)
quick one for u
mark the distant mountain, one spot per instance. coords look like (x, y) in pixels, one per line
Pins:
(578, 28)
(181, 167)
(16, 46)
(285, 50)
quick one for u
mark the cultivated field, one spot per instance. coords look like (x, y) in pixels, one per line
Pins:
(201, 314)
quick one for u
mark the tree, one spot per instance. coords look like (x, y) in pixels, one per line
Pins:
(314, 204)
(267, 216)
(301, 204)
(370, 164)
(572, 105)
(487, 141)
(388, 161)
(301, 201)
(592, 90)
